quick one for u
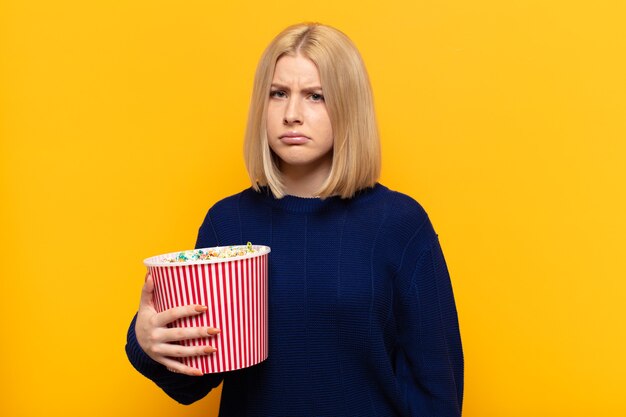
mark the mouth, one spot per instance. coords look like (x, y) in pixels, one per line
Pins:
(294, 138)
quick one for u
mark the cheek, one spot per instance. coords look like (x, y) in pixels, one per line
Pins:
(328, 128)
(322, 122)
(270, 121)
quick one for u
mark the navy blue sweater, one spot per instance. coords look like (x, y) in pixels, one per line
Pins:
(362, 319)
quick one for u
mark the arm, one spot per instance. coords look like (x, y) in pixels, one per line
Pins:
(430, 361)
(181, 386)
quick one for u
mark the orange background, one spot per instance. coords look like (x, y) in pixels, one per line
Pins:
(122, 122)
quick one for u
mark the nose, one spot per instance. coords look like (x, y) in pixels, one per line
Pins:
(292, 112)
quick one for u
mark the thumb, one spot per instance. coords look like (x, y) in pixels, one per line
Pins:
(146, 292)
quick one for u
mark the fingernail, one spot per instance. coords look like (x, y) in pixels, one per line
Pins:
(198, 372)
(209, 349)
(201, 309)
(213, 331)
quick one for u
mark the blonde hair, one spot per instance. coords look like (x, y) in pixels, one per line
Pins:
(349, 102)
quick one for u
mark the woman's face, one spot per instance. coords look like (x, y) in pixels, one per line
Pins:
(298, 126)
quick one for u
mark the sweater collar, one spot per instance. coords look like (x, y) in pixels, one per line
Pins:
(313, 204)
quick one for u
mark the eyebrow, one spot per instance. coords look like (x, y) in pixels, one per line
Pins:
(284, 87)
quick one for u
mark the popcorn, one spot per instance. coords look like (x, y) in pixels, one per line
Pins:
(210, 254)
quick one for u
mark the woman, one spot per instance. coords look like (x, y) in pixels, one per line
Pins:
(362, 320)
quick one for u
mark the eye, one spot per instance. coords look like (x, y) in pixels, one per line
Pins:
(317, 97)
(277, 94)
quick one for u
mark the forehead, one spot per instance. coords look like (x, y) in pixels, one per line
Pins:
(296, 69)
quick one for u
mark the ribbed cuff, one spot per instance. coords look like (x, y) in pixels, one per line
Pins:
(183, 388)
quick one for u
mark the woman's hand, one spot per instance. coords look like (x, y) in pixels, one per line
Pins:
(155, 338)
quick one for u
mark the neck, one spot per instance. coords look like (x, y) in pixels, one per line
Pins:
(304, 181)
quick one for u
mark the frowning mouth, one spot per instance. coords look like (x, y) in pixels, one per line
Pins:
(294, 138)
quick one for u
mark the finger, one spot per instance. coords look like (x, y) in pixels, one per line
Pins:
(186, 333)
(147, 291)
(179, 368)
(171, 350)
(164, 318)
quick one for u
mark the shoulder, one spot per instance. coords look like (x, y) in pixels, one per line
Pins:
(225, 210)
(407, 207)
(227, 202)
(231, 204)
(222, 223)
(401, 207)
(406, 221)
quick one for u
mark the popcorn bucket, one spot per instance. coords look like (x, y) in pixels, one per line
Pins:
(234, 289)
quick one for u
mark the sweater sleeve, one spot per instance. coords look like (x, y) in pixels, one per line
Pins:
(182, 388)
(429, 361)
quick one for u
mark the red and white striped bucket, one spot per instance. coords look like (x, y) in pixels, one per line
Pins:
(235, 292)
